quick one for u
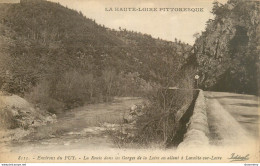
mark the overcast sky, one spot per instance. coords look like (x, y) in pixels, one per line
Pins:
(166, 25)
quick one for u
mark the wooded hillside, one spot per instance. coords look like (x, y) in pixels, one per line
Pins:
(61, 54)
(228, 50)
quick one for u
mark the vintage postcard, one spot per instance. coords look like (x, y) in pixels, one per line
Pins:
(129, 81)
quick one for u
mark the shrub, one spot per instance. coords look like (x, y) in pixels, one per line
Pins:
(74, 89)
(7, 120)
(40, 96)
(159, 123)
(131, 84)
(70, 90)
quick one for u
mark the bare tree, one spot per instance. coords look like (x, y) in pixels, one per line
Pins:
(109, 78)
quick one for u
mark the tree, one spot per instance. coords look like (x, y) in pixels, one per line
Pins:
(109, 78)
(229, 39)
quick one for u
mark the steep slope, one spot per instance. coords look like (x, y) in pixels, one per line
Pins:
(58, 52)
(226, 51)
(49, 38)
(19, 118)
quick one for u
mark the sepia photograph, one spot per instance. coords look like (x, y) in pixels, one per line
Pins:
(129, 81)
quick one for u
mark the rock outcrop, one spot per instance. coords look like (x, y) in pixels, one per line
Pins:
(19, 116)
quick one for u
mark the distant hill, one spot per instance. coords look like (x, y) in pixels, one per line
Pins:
(41, 40)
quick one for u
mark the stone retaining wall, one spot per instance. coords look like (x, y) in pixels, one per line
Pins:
(197, 127)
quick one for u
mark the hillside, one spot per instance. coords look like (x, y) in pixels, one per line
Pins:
(19, 118)
(65, 57)
(228, 50)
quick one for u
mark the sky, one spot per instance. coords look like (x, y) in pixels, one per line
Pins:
(165, 25)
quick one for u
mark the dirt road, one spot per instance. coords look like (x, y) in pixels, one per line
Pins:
(233, 118)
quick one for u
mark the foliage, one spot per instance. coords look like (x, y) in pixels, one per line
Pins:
(160, 120)
(227, 50)
(7, 120)
(82, 60)
(39, 95)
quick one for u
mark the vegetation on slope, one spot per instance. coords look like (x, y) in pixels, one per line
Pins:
(57, 58)
(228, 50)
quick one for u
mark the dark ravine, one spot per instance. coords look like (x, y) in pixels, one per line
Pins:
(182, 128)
